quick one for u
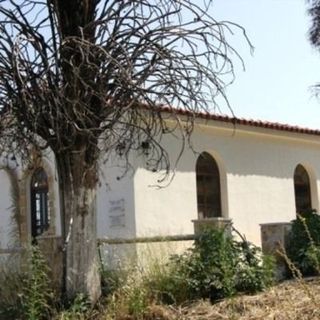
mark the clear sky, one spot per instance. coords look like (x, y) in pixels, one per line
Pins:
(276, 85)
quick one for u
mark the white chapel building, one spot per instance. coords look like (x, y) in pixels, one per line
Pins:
(250, 172)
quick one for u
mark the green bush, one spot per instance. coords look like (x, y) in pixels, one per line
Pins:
(303, 243)
(209, 266)
(217, 266)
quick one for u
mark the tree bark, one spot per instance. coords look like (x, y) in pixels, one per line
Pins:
(78, 184)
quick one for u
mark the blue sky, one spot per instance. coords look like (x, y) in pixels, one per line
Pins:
(276, 85)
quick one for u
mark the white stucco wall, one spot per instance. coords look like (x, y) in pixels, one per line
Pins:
(256, 167)
(256, 171)
(260, 179)
(166, 208)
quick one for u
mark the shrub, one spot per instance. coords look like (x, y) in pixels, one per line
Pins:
(303, 243)
(209, 266)
(218, 266)
(254, 271)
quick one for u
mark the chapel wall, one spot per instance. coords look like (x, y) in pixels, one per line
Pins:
(256, 171)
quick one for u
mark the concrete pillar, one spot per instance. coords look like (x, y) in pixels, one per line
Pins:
(273, 240)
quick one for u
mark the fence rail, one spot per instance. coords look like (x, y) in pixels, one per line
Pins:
(101, 241)
(186, 237)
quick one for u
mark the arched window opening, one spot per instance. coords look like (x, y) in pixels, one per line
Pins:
(302, 189)
(40, 218)
(208, 187)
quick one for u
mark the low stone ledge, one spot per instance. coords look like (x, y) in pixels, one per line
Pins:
(169, 238)
(214, 223)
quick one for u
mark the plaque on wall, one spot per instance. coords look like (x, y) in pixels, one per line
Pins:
(117, 213)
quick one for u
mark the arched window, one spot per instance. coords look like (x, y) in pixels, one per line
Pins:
(208, 187)
(302, 189)
(40, 218)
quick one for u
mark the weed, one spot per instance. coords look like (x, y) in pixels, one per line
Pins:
(37, 292)
(78, 309)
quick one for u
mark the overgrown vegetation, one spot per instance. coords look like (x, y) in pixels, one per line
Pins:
(10, 290)
(27, 293)
(218, 266)
(215, 267)
(303, 243)
(80, 309)
(37, 294)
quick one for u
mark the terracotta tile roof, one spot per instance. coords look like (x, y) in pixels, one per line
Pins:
(246, 122)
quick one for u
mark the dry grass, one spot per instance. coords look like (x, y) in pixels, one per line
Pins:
(291, 300)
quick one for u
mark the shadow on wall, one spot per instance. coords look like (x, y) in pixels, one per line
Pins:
(244, 155)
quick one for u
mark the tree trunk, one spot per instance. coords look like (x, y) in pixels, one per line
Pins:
(78, 182)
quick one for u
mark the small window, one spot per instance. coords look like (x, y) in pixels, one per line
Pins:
(208, 187)
(302, 189)
(40, 218)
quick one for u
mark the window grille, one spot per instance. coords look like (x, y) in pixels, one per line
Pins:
(208, 187)
(40, 218)
(302, 189)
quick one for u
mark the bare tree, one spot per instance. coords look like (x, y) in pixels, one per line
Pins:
(85, 78)
(314, 32)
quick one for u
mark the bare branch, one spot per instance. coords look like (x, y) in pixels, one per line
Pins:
(76, 73)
